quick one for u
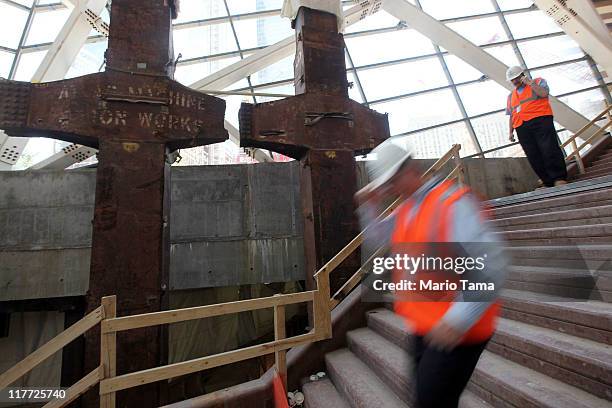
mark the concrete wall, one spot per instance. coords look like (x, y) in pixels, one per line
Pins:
(234, 225)
(490, 178)
(230, 225)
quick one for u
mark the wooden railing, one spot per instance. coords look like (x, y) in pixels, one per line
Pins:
(575, 153)
(105, 315)
(458, 172)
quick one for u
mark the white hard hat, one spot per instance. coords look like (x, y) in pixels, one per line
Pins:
(389, 159)
(513, 72)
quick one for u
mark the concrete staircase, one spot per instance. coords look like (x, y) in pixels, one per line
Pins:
(600, 167)
(553, 344)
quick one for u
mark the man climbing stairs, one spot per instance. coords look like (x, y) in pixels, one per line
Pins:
(552, 346)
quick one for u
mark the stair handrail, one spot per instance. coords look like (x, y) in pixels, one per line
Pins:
(457, 172)
(105, 315)
(575, 153)
(53, 346)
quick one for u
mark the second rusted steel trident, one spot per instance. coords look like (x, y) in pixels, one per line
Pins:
(134, 113)
(324, 129)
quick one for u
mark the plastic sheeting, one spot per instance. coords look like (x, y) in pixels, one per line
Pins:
(198, 338)
(27, 332)
(291, 8)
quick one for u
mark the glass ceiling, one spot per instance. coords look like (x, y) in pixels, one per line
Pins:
(434, 99)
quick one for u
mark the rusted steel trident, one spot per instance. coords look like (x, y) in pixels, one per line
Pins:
(134, 113)
(324, 129)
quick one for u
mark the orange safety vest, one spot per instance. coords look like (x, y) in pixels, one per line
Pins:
(431, 223)
(527, 105)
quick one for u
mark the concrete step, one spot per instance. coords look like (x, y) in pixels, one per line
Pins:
(394, 366)
(571, 283)
(322, 394)
(587, 199)
(500, 382)
(562, 235)
(581, 363)
(592, 173)
(566, 218)
(587, 319)
(563, 252)
(391, 363)
(600, 164)
(357, 383)
(591, 177)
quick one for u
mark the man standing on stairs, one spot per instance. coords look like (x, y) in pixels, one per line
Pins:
(532, 117)
(450, 334)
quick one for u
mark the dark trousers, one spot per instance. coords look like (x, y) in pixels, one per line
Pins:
(538, 138)
(441, 376)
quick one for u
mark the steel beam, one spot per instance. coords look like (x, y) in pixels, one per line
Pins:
(581, 22)
(473, 55)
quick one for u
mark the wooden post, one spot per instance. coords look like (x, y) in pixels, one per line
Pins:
(577, 156)
(108, 350)
(322, 307)
(459, 165)
(280, 357)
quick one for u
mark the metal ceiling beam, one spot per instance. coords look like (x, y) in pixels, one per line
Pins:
(472, 54)
(580, 20)
(69, 41)
(57, 62)
(273, 53)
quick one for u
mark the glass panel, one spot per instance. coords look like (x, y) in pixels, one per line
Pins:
(402, 78)
(6, 61)
(483, 97)
(441, 9)
(433, 143)
(482, 31)
(531, 23)
(26, 3)
(262, 31)
(37, 150)
(381, 47)
(191, 10)
(206, 40)
(250, 6)
(588, 103)
(420, 111)
(12, 22)
(232, 106)
(28, 64)
(281, 90)
(514, 4)
(278, 71)
(549, 50)
(46, 25)
(567, 78)
(89, 59)
(354, 90)
(492, 132)
(379, 19)
(504, 53)
(460, 70)
(187, 74)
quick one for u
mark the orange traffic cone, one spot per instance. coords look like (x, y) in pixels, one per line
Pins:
(280, 394)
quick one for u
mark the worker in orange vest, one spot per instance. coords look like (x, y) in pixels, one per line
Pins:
(532, 117)
(452, 327)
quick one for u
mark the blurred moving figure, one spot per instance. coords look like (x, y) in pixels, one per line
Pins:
(532, 117)
(451, 329)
